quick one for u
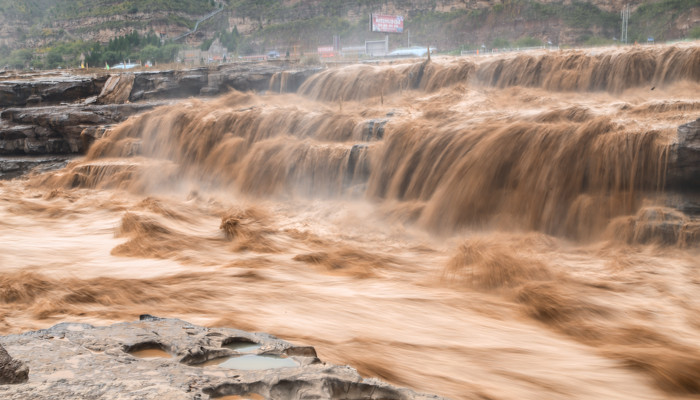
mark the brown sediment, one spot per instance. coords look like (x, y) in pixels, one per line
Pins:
(248, 230)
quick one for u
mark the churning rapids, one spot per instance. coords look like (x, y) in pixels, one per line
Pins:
(475, 228)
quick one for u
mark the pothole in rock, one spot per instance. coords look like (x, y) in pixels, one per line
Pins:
(148, 350)
(251, 362)
(241, 345)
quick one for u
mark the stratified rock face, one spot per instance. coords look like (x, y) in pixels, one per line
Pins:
(11, 371)
(172, 359)
(36, 124)
(49, 90)
(168, 84)
(684, 159)
(34, 89)
(14, 166)
(59, 129)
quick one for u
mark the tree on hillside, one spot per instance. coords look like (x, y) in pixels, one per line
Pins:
(20, 59)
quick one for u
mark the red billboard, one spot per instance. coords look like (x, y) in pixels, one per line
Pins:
(387, 23)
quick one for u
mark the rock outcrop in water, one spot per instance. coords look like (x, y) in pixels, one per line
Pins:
(171, 359)
(684, 160)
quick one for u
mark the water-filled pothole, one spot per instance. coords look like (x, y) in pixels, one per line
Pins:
(252, 362)
(150, 354)
(147, 350)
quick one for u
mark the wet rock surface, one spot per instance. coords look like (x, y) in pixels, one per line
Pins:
(158, 358)
(14, 166)
(684, 158)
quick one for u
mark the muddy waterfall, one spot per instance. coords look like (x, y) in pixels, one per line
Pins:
(500, 227)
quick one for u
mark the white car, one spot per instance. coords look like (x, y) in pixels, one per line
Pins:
(124, 66)
(413, 51)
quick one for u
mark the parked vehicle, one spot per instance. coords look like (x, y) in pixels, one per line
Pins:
(413, 51)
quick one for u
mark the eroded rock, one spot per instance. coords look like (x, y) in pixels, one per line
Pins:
(59, 129)
(117, 89)
(168, 358)
(11, 371)
(48, 89)
(684, 158)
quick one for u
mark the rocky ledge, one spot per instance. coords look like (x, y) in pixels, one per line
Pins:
(60, 113)
(157, 358)
(51, 88)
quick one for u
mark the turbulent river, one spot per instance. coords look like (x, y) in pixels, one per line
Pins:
(474, 228)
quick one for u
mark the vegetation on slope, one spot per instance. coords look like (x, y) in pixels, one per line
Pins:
(311, 23)
(42, 10)
(121, 49)
(513, 23)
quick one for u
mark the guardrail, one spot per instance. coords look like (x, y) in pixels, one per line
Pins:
(485, 52)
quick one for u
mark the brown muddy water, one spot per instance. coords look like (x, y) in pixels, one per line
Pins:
(473, 228)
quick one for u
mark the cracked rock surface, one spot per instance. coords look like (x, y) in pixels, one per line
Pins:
(158, 358)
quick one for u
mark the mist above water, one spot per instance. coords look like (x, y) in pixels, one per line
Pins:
(471, 228)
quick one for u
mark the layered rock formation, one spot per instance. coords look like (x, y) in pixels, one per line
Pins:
(51, 88)
(158, 358)
(63, 114)
(59, 129)
(32, 89)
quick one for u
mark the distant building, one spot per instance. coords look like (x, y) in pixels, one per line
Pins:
(217, 53)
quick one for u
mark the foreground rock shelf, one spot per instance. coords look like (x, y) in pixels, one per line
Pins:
(158, 358)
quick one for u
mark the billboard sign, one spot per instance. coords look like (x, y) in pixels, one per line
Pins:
(387, 23)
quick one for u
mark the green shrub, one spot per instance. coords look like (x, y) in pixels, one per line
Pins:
(598, 41)
(694, 33)
(528, 42)
(20, 59)
(500, 43)
(54, 58)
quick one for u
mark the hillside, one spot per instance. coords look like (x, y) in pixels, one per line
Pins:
(467, 23)
(46, 25)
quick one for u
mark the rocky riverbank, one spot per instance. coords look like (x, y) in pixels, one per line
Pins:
(158, 358)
